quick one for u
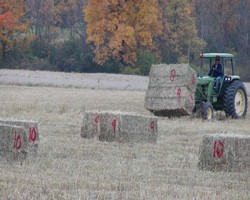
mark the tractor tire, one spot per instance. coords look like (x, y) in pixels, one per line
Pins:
(207, 111)
(235, 100)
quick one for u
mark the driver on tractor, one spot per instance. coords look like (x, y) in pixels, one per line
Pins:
(217, 73)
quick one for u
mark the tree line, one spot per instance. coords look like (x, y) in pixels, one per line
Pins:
(120, 36)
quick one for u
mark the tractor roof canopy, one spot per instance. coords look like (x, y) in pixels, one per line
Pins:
(214, 55)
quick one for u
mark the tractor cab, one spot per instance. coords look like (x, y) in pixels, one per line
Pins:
(226, 61)
(212, 95)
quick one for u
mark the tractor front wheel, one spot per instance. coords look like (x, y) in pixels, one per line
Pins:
(235, 100)
(207, 111)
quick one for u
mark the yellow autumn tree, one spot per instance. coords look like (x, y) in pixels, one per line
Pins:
(117, 28)
(180, 31)
(12, 23)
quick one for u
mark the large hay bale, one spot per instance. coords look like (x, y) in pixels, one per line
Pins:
(31, 129)
(177, 75)
(137, 128)
(117, 126)
(13, 142)
(225, 152)
(171, 90)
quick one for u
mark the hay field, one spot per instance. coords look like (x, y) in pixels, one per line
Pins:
(69, 167)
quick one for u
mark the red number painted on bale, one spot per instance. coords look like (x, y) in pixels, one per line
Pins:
(172, 74)
(218, 149)
(17, 141)
(97, 119)
(152, 126)
(114, 125)
(179, 95)
(32, 135)
(193, 79)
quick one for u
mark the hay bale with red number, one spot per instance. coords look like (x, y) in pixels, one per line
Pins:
(109, 125)
(13, 142)
(119, 126)
(171, 90)
(137, 128)
(225, 153)
(102, 125)
(177, 75)
(31, 128)
(90, 124)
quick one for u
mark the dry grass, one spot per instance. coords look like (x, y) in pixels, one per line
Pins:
(69, 167)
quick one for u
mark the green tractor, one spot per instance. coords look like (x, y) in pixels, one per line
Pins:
(229, 96)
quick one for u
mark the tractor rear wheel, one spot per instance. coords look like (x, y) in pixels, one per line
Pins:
(235, 100)
(207, 111)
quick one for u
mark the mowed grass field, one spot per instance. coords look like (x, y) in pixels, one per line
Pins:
(70, 167)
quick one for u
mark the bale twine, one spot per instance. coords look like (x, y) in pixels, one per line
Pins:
(225, 153)
(119, 126)
(13, 142)
(171, 90)
(31, 129)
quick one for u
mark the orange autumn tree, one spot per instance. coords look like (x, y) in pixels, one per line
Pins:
(117, 28)
(12, 23)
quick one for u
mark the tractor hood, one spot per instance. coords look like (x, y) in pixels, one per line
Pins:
(204, 80)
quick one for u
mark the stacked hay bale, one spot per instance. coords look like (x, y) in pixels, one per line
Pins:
(13, 142)
(171, 90)
(225, 152)
(31, 130)
(117, 126)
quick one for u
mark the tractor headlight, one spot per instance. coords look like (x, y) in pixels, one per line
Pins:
(227, 78)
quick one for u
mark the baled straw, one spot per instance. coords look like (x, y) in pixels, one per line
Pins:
(171, 90)
(31, 129)
(119, 126)
(225, 152)
(13, 142)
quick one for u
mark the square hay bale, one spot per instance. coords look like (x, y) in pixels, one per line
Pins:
(173, 75)
(137, 128)
(118, 126)
(31, 129)
(170, 101)
(13, 142)
(171, 90)
(225, 152)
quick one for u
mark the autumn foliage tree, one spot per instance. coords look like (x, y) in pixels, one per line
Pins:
(72, 17)
(180, 35)
(117, 28)
(45, 19)
(12, 23)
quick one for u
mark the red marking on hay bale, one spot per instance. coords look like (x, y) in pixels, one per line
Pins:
(114, 125)
(97, 119)
(179, 95)
(32, 134)
(172, 74)
(17, 141)
(193, 79)
(218, 149)
(152, 126)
